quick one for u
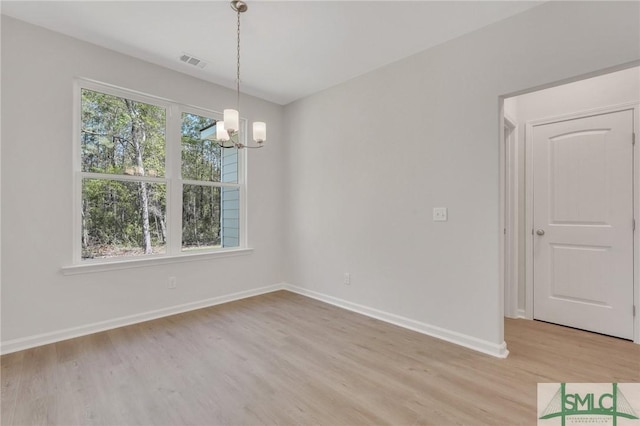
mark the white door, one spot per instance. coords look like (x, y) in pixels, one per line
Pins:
(583, 223)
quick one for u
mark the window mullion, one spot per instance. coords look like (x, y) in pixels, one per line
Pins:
(174, 172)
(210, 183)
(77, 176)
(242, 181)
(122, 178)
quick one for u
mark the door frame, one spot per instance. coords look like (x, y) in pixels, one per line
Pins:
(635, 106)
(511, 226)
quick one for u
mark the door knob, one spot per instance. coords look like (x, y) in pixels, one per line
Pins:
(540, 232)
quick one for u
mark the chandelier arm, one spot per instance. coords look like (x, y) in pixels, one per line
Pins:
(221, 144)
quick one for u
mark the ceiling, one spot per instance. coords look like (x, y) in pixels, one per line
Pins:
(290, 49)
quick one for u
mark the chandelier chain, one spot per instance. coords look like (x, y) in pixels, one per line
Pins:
(238, 67)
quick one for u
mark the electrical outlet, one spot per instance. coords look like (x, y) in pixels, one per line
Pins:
(172, 282)
(439, 214)
(347, 278)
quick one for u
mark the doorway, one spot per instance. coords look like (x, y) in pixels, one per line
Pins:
(574, 192)
(582, 218)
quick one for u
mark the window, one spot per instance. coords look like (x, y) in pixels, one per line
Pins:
(210, 190)
(147, 183)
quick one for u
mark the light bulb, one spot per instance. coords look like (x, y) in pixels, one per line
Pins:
(259, 131)
(221, 132)
(231, 120)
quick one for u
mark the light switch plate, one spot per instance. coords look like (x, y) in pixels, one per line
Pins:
(439, 214)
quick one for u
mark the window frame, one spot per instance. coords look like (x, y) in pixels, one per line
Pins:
(172, 179)
(240, 184)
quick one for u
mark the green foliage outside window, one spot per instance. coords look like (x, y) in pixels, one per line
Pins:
(124, 190)
(122, 137)
(201, 204)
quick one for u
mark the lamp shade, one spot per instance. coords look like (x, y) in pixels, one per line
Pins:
(259, 131)
(231, 120)
(221, 132)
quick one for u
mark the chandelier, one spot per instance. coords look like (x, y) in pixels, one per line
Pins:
(226, 133)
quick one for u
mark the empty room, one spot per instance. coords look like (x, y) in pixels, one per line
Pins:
(320, 212)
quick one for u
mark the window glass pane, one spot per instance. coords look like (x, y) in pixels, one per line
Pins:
(122, 136)
(210, 217)
(200, 217)
(203, 159)
(122, 218)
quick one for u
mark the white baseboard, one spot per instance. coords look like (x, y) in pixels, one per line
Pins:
(69, 333)
(520, 314)
(486, 347)
(470, 342)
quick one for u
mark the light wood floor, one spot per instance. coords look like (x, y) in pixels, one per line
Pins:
(282, 358)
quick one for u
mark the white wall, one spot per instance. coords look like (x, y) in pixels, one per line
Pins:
(38, 68)
(370, 158)
(605, 90)
(345, 198)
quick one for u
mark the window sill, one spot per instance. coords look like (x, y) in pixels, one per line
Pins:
(96, 266)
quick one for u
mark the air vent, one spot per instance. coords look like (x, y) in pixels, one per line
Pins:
(192, 60)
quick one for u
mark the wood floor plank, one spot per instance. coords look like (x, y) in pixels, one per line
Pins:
(11, 374)
(37, 386)
(282, 358)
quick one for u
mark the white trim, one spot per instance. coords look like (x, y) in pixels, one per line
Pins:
(104, 265)
(121, 178)
(511, 220)
(520, 314)
(486, 347)
(510, 121)
(242, 184)
(635, 106)
(636, 234)
(584, 113)
(172, 179)
(173, 173)
(134, 95)
(76, 199)
(501, 220)
(528, 206)
(489, 348)
(70, 333)
(210, 183)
